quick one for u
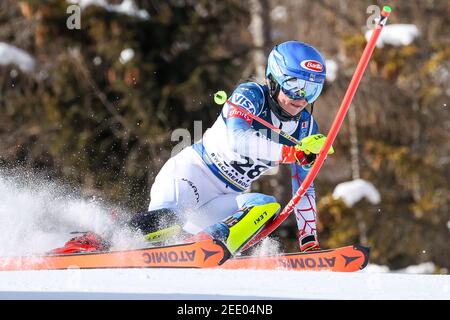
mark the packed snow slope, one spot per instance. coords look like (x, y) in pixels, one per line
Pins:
(37, 215)
(167, 284)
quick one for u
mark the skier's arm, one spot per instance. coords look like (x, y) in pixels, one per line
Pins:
(241, 136)
(243, 139)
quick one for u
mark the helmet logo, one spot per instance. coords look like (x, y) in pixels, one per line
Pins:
(312, 65)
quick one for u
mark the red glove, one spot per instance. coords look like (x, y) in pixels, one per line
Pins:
(306, 151)
(293, 154)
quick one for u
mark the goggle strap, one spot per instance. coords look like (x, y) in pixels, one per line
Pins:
(274, 87)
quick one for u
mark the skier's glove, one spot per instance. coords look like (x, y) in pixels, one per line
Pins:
(306, 151)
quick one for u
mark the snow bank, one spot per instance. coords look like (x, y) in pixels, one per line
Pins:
(126, 55)
(375, 268)
(332, 69)
(423, 268)
(12, 55)
(279, 13)
(353, 191)
(127, 7)
(396, 35)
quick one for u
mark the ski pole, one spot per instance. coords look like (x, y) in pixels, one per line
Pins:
(364, 60)
(264, 123)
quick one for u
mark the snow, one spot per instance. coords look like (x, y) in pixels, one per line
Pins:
(353, 191)
(36, 215)
(97, 60)
(12, 55)
(374, 268)
(279, 13)
(332, 69)
(423, 268)
(127, 7)
(166, 284)
(126, 55)
(396, 35)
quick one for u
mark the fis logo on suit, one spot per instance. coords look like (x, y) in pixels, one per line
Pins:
(243, 101)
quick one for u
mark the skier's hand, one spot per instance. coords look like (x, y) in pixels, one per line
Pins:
(306, 151)
(313, 144)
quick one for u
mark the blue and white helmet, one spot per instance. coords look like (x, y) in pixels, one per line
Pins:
(298, 70)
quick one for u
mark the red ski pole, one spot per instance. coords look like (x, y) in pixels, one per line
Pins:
(264, 122)
(364, 60)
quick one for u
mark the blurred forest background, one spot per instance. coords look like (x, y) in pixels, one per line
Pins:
(95, 107)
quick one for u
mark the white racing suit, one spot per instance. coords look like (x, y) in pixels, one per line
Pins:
(210, 180)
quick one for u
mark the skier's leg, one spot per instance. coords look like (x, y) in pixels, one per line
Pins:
(240, 227)
(215, 210)
(179, 189)
(157, 225)
(306, 215)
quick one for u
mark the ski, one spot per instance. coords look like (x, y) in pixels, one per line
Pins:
(201, 254)
(344, 259)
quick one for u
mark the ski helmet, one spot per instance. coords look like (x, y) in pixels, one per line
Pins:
(298, 70)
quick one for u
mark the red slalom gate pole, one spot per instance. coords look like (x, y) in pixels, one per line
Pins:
(364, 60)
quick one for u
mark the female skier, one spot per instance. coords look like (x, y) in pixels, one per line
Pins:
(205, 189)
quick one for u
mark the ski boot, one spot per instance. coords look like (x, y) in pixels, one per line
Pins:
(86, 242)
(238, 229)
(308, 242)
(158, 226)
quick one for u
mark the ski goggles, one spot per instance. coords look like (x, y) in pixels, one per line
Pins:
(297, 89)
